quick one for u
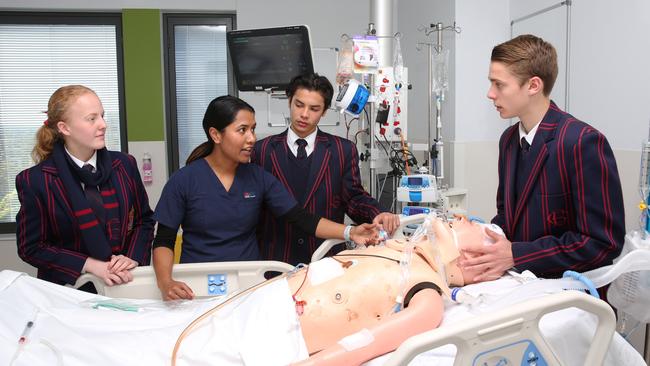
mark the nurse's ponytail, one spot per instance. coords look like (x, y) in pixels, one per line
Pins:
(200, 152)
(220, 113)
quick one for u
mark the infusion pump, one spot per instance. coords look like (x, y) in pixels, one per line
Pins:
(417, 188)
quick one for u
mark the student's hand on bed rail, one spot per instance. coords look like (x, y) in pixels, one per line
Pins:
(366, 234)
(389, 221)
(175, 290)
(119, 263)
(492, 261)
(101, 270)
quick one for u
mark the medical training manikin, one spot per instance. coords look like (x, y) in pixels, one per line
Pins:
(362, 303)
(341, 310)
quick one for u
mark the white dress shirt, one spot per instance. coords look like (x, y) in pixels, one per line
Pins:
(92, 161)
(292, 137)
(530, 136)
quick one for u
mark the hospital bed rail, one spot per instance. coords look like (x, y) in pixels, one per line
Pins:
(404, 222)
(477, 336)
(237, 276)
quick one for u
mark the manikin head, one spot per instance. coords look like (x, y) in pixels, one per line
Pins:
(451, 241)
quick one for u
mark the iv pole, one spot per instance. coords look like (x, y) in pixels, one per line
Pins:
(435, 155)
(381, 25)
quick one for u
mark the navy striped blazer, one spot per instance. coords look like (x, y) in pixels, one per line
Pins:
(333, 189)
(48, 234)
(569, 214)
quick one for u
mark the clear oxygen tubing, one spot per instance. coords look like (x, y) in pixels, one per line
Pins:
(636, 260)
(405, 274)
(405, 263)
(426, 229)
(442, 270)
(531, 288)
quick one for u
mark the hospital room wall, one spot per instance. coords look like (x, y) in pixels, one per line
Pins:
(414, 15)
(608, 81)
(327, 20)
(473, 152)
(473, 127)
(608, 76)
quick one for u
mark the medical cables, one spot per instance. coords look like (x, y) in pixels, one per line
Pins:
(206, 314)
(405, 262)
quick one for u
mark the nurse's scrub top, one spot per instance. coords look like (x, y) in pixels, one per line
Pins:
(219, 225)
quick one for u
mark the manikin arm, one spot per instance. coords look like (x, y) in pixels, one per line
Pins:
(423, 313)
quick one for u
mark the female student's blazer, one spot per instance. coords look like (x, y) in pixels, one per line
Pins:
(48, 235)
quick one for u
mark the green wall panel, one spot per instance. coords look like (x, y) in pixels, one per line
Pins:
(143, 74)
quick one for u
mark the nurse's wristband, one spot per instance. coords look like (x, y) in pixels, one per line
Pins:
(346, 233)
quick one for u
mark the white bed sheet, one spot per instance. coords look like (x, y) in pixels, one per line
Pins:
(150, 339)
(124, 341)
(568, 331)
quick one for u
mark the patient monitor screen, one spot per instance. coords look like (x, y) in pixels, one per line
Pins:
(415, 181)
(269, 58)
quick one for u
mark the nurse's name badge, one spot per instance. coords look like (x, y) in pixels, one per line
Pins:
(248, 195)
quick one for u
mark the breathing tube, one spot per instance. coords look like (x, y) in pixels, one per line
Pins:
(405, 273)
(425, 230)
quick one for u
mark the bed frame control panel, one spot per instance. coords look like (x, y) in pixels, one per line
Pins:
(523, 353)
(217, 284)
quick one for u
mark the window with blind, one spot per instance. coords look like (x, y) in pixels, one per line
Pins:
(198, 70)
(38, 54)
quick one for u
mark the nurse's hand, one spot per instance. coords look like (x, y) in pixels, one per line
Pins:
(389, 221)
(366, 234)
(175, 290)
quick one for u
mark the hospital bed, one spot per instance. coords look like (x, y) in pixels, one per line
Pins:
(578, 334)
(490, 339)
(490, 334)
(205, 279)
(214, 279)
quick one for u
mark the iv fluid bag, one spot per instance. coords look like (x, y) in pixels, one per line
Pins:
(440, 75)
(345, 64)
(398, 64)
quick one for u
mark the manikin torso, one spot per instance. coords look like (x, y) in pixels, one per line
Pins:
(359, 296)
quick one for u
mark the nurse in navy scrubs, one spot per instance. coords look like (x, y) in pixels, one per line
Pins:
(217, 197)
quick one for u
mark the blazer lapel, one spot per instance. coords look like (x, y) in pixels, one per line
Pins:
(118, 186)
(531, 171)
(511, 154)
(55, 188)
(319, 164)
(544, 135)
(280, 159)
